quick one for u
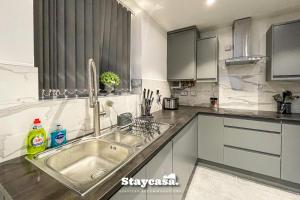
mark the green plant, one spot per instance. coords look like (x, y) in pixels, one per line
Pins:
(110, 78)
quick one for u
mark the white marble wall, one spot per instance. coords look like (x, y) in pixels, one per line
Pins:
(18, 85)
(19, 105)
(74, 114)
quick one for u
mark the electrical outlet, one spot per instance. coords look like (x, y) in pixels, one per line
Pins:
(184, 93)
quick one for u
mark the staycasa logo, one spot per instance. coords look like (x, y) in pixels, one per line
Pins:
(167, 180)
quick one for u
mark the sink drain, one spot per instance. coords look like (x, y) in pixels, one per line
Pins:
(98, 172)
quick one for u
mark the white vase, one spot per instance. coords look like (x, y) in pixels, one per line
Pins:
(109, 88)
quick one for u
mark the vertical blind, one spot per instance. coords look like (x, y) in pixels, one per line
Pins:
(70, 32)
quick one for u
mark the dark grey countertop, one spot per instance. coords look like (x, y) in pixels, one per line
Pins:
(269, 115)
(22, 180)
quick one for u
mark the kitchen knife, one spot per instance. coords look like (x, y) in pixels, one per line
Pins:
(151, 95)
(144, 94)
(148, 92)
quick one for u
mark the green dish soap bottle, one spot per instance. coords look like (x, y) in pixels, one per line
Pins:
(36, 139)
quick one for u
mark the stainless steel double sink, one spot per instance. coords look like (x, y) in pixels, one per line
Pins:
(83, 164)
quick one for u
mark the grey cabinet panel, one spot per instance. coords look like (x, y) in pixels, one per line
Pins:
(158, 167)
(182, 55)
(253, 140)
(210, 138)
(253, 124)
(132, 193)
(184, 156)
(207, 59)
(252, 161)
(290, 153)
(283, 47)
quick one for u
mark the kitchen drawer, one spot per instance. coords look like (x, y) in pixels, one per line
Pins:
(252, 161)
(252, 139)
(253, 124)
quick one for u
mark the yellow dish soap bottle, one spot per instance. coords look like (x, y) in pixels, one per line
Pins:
(36, 139)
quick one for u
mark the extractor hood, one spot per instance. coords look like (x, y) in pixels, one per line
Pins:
(242, 51)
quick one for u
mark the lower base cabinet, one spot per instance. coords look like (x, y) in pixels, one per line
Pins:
(252, 161)
(159, 166)
(184, 157)
(290, 163)
(210, 138)
(132, 193)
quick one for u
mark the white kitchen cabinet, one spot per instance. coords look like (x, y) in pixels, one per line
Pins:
(210, 138)
(184, 157)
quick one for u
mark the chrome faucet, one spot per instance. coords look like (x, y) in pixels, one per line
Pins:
(93, 96)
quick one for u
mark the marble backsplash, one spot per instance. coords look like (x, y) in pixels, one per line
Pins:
(245, 87)
(74, 114)
(198, 95)
(154, 85)
(240, 87)
(19, 105)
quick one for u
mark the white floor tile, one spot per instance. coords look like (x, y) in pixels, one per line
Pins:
(209, 184)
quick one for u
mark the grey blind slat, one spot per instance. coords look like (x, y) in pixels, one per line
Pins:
(88, 26)
(101, 33)
(80, 54)
(97, 30)
(70, 45)
(46, 64)
(120, 41)
(39, 45)
(61, 58)
(127, 78)
(52, 43)
(113, 37)
(69, 32)
(105, 53)
(124, 47)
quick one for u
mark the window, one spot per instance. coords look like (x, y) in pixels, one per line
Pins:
(70, 32)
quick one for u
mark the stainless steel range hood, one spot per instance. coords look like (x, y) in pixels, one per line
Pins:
(242, 51)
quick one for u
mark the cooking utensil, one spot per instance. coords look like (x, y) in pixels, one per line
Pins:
(148, 92)
(277, 97)
(144, 94)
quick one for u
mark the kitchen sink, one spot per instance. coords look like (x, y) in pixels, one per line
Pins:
(125, 138)
(84, 163)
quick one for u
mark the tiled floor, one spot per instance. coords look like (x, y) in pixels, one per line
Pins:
(208, 184)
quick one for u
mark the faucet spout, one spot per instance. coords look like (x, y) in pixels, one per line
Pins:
(93, 96)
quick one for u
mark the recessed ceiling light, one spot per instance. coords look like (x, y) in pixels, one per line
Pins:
(210, 2)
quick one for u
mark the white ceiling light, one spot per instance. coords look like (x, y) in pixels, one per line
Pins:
(210, 2)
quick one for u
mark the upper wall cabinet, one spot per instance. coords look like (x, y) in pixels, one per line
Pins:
(182, 54)
(283, 50)
(207, 59)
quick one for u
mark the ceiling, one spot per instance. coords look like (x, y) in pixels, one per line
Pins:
(174, 14)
